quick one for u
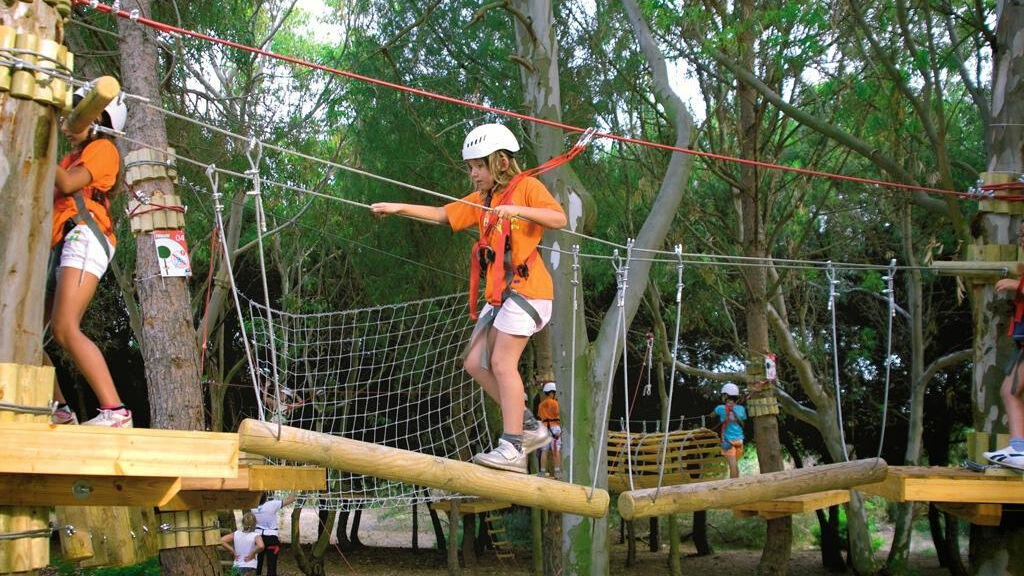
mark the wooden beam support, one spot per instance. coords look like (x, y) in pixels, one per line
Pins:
(800, 504)
(981, 270)
(747, 489)
(31, 448)
(289, 478)
(211, 500)
(74, 490)
(980, 514)
(414, 468)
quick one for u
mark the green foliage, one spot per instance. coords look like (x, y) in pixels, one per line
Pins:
(873, 508)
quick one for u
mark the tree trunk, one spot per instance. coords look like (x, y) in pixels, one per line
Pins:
(169, 347)
(831, 550)
(193, 560)
(779, 536)
(700, 534)
(29, 150)
(998, 550)
(899, 553)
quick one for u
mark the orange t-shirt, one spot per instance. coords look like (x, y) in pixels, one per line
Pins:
(525, 234)
(547, 412)
(101, 159)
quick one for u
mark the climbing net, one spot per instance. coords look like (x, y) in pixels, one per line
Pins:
(388, 375)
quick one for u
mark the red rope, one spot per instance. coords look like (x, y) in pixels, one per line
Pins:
(569, 128)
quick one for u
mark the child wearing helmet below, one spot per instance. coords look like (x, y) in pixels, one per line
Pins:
(518, 286)
(732, 416)
(548, 414)
(82, 244)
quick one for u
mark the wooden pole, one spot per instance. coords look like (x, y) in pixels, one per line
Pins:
(421, 469)
(748, 489)
(104, 90)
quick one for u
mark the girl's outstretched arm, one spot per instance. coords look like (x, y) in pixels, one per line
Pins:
(417, 211)
(546, 217)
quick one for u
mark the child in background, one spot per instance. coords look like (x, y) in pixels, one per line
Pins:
(266, 525)
(82, 245)
(547, 412)
(1013, 455)
(244, 545)
(732, 416)
(518, 286)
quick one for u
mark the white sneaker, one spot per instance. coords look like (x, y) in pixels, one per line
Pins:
(63, 416)
(111, 419)
(536, 439)
(503, 457)
(1006, 457)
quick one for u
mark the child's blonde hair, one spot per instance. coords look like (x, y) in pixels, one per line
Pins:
(248, 522)
(502, 177)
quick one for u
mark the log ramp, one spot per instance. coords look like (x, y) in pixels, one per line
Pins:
(734, 492)
(299, 445)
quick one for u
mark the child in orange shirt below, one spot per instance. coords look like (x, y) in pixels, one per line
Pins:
(82, 245)
(518, 286)
(548, 414)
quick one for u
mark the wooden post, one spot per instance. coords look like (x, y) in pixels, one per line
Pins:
(27, 388)
(421, 469)
(28, 144)
(748, 489)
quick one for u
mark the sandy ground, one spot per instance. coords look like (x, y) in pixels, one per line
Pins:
(387, 551)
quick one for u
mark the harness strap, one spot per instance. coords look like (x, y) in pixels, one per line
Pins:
(84, 216)
(504, 197)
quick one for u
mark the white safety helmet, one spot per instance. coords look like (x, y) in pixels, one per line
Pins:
(549, 387)
(116, 111)
(485, 139)
(731, 389)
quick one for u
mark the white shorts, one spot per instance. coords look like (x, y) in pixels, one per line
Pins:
(83, 251)
(512, 319)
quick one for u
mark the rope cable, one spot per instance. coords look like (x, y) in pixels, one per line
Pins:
(832, 283)
(176, 30)
(890, 293)
(672, 380)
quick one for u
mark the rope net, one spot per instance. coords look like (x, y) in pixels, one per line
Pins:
(390, 375)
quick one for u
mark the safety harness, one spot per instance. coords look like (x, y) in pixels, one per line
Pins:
(502, 271)
(84, 212)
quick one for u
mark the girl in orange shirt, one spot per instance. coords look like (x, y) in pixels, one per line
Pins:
(82, 246)
(518, 286)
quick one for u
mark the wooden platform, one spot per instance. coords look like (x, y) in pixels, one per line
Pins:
(972, 496)
(46, 465)
(938, 484)
(793, 505)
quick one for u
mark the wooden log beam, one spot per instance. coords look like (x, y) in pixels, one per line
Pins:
(747, 489)
(104, 89)
(414, 468)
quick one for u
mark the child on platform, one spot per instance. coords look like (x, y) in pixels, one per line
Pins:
(732, 416)
(82, 245)
(244, 545)
(1013, 455)
(518, 286)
